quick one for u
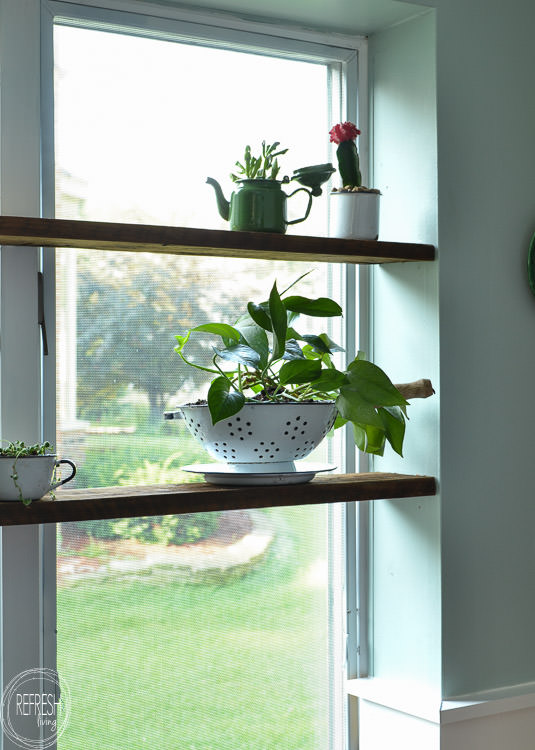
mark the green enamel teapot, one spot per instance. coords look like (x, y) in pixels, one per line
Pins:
(259, 205)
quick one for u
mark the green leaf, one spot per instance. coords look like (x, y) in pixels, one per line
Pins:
(329, 380)
(322, 344)
(227, 333)
(255, 337)
(332, 345)
(311, 353)
(260, 316)
(375, 440)
(373, 385)
(222, 401)
(293, 350)
(299, 371)
(323, 307)
(240, 353)
(359, 435)
(394, 424)
(182, 341)
(356, 409)
(277, 313)
(339, 422)
(374, 406)
(316, 342)
(369, 439)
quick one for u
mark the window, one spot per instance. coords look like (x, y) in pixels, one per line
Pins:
(111, 170)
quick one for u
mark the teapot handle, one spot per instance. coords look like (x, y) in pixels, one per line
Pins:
(296, 221)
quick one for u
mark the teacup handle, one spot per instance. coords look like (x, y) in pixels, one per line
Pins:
(68, 479)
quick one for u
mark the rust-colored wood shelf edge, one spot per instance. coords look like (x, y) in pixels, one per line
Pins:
(129, 502)
(17, 230)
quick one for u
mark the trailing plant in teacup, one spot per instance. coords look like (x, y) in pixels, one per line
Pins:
(18, 449)
(30, 471)
(263, 357)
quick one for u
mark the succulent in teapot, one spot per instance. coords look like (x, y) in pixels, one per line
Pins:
(263, 167)
(259, 203)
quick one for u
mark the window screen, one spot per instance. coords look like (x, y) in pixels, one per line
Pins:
(211, 630)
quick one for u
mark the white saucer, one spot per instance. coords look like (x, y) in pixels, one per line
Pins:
(225, 474)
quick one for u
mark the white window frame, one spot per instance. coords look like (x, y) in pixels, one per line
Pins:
(27, 389)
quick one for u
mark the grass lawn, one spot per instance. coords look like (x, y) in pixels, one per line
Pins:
(238, 666)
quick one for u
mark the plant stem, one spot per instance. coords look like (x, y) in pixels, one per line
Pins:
(198, 367)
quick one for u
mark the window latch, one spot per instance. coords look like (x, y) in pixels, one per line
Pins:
(41, 311)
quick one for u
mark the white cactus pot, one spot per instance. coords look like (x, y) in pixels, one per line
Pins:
(268, 435)
(354, 215)
(30, 477)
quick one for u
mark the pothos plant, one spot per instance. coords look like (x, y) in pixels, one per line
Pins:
(264, 357)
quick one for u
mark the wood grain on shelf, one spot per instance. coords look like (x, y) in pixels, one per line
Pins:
(16, 230)
(129, 502)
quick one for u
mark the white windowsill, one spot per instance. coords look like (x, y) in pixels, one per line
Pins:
(425, 703)
(409, 698)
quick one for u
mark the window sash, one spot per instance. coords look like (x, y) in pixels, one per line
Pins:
(26, 158)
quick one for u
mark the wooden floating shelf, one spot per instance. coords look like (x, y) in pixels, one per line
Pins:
(131, 502)
(16, 230)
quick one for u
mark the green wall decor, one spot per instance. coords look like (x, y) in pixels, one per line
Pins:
(531, 264)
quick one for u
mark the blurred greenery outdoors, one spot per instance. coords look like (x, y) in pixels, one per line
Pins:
(156, 662)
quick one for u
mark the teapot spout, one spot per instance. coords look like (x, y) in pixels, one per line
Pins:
(222, 203)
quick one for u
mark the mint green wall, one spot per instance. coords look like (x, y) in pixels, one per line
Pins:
(406, 555)
(486, 168)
